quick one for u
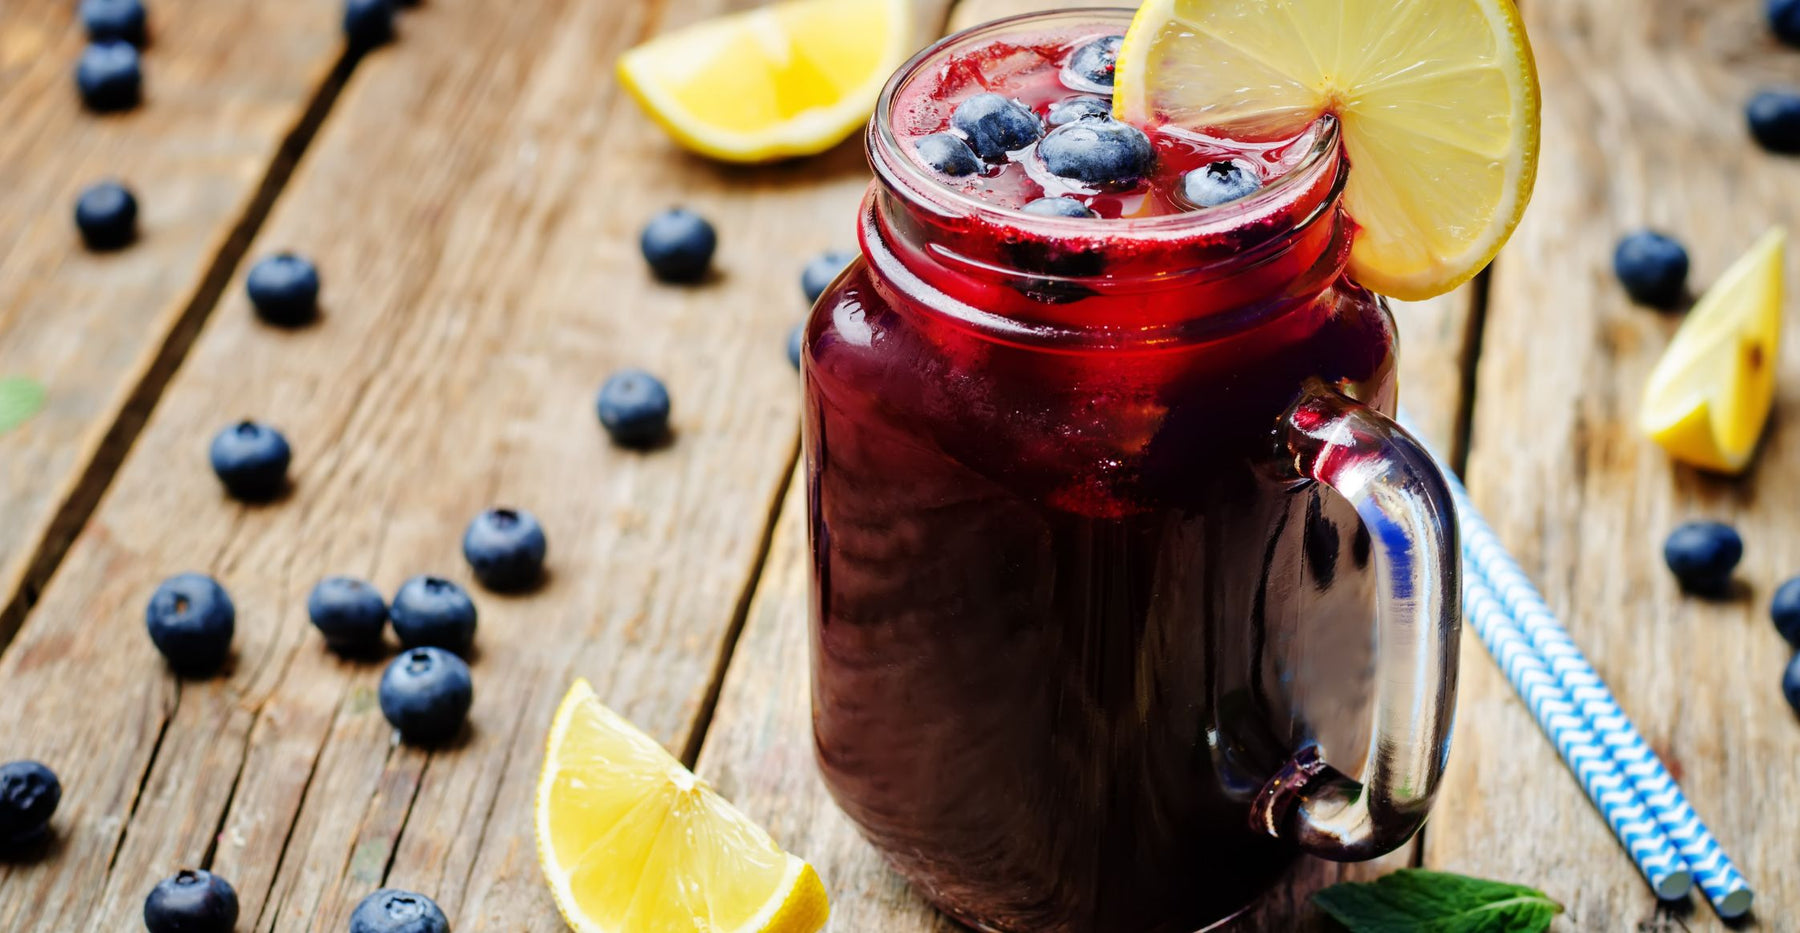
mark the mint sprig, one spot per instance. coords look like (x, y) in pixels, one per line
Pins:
(20, 398)
(1416, 901)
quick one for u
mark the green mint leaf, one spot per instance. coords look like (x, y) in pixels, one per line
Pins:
(20, 398)
(1416, 901)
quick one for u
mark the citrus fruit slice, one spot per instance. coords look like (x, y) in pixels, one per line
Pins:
(790, 79)
(1437, 100)
(632, 842)
(1710, 394)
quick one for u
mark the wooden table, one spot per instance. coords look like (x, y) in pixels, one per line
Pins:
(472, 195)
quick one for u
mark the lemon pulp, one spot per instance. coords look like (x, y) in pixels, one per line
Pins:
(1438, 102)
(632, 842)
(789, 79)
(1710, 394)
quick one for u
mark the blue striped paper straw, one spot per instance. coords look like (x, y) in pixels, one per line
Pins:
(1581, 749)
(1484, 556)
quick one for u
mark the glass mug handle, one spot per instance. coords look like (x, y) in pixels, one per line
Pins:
(1404, 503)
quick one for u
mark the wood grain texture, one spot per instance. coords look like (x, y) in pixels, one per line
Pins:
(225, 84)
(759, 749)
(1642, 125)
(473, 204)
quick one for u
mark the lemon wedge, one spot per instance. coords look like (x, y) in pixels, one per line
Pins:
(791, 79)
(632, 842)
(1710, 394)
(1438, 101)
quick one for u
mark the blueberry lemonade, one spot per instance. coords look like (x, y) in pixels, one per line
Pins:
(1127, 589)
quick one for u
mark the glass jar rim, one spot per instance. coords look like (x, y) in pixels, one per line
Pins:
(901, 173)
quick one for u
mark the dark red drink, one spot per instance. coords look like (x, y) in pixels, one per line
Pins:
(1084, 619)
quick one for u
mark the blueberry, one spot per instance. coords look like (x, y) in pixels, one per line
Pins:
(191, 620)
(1790, 683)
(121, 20)
(251, 459)
(1220, 183)
(432, 612)
(106, 215)
(109, 76)
(948, 153)
(821, 271)
(1080, 108)
(1092, 65)
(1702, 556)
(368, 23)
(796, 344)
(284, 289)
(29, 793)
(634, 408)
(1785, 610)
(1775, 121)
(505, 548)
(425, 693)
(1652, 267)
(1098, 152)
(1058, 207)
(191, 901)
(1784, 18)
(679, 245)
(350, 613)
(996, 125)
(392, 911)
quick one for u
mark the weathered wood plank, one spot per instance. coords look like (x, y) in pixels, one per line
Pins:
(759, 748)
(1642, 125)
(473, 205)
(226, 83)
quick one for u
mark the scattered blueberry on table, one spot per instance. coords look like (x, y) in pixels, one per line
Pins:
(191, 901)
(679, 244)
(634, 408)
(394, 911)
(821, 271)
(1784, 610)
(252, 460)
(1059, 207)
(796, 343)
(1790, 683)
(1652, 267)
(120, 20)
(29, 793)
(349, 613)
(284, 289)
(1784, 19)
(1079, 108)
(1098, 152)
(1702, 555)
(1774, 118)
(425, 693)
(1092, 66)
(1221, 182)
(109, 76)
(368, 23)
(995, 125)
(505, 548)
(191, 620)
(432, 612)
(106, 214)
(947, 153)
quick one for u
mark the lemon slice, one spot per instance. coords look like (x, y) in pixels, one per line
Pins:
(1710, 394)
(632, 842)
(791, 79)
(1438, 100)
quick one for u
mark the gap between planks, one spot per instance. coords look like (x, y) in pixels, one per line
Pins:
(88, 483)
